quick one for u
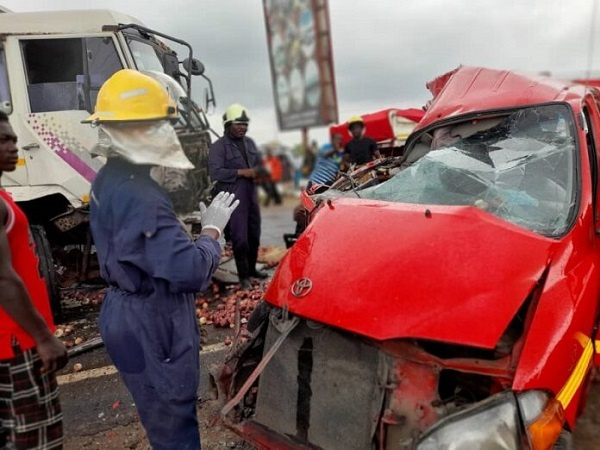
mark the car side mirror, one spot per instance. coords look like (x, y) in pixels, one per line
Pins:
(193, 67)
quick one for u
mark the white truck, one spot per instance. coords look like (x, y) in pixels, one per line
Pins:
(52, 65)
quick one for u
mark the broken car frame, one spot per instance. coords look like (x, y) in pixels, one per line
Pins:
(454, 303)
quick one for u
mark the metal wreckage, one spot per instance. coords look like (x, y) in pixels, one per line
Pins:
(450, 304)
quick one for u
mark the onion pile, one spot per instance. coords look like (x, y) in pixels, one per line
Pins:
(219, 311)
(84, 297)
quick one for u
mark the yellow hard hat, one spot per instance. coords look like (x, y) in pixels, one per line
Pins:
(236, 113)
(355, 119)
(131, 96)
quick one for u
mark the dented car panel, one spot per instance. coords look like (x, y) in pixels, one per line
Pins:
(415, 287)
(470, 90)
(455, 302)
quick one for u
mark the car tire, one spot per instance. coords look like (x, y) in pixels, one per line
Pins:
(47, 269)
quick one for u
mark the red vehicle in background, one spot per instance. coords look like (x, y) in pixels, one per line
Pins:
(453, 305)
(389, 128)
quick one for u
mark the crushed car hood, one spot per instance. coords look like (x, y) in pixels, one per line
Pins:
(388, 270)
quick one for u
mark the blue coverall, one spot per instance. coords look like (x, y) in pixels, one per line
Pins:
(148, 320)
(224, 159)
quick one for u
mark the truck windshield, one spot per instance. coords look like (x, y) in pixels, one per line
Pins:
(519, 167)
(145, 56)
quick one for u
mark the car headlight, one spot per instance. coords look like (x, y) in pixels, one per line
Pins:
(506, 421)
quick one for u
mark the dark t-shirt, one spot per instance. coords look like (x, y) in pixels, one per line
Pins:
(361, 150)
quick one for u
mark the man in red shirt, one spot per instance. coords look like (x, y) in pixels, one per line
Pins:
(273, 165)
(30, 411)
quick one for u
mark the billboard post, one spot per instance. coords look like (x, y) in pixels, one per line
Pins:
(299, 42)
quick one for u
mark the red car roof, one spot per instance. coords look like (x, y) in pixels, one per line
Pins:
(471, 89)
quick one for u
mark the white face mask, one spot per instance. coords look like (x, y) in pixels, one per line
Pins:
(152, 143)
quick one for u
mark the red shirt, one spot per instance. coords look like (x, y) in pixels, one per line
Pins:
(273, 165)
(25, 264)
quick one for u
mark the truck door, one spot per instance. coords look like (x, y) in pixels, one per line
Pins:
(62, 77)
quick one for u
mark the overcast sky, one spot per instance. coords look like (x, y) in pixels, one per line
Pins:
(384, 50)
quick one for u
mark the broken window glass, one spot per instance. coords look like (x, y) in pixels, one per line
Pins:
(519, 167)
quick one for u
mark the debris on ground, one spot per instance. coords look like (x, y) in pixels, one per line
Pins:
(80, 309)
(270, 256)
(219, 310)
(216, 306)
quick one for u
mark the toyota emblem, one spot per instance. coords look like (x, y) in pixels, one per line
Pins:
(301, 287)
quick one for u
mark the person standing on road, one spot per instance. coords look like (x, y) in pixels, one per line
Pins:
(153, 268)
(273, 166)
(30, 354)
(234, 163)
(361, 149)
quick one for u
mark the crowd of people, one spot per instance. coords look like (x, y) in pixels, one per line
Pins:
(319, 165)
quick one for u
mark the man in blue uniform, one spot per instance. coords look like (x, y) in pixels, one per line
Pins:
(234, 163)
(153, 268)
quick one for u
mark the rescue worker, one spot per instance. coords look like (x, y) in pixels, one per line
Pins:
(152, 267)
(361, 149)
(234, 163)
(30, 413)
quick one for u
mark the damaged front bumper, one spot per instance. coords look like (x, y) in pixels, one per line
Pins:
(326, 389)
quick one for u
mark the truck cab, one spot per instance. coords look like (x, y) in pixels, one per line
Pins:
(52, 65)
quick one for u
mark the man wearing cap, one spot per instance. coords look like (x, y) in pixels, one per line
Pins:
(233, 163)
(153, 268)
(361, 149)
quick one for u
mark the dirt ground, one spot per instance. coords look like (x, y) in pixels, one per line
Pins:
(133, 437)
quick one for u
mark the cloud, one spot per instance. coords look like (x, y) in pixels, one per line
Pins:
(384, 50)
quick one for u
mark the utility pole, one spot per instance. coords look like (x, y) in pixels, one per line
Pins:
(305, 142)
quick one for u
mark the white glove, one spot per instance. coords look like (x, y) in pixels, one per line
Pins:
(216, 216)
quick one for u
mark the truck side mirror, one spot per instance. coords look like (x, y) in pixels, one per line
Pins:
(194, 67)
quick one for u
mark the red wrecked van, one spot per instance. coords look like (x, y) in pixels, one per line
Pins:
(451, 305)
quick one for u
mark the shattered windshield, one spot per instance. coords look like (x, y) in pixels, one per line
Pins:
(519, 167)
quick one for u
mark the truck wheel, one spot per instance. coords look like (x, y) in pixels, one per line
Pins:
(47, 270)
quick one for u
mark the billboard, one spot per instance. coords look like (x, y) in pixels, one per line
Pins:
(299, 41)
